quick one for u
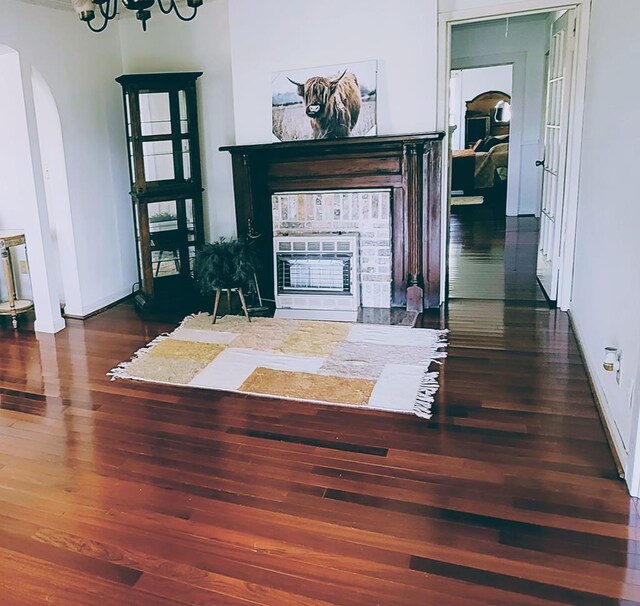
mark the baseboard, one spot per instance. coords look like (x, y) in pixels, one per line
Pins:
(95, 312)
(56, 326)
(620, 455)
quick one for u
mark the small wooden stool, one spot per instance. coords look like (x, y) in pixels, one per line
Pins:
(242, 301)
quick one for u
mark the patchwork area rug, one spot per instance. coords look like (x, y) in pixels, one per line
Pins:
(363, 365)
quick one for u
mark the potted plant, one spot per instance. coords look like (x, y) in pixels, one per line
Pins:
(228, 264)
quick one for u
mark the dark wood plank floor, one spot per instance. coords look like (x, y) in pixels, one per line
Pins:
(492, 256)
(125, 493)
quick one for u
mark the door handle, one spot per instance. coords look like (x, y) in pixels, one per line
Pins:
(539, 162)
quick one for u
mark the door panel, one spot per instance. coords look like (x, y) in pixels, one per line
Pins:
(555, 152)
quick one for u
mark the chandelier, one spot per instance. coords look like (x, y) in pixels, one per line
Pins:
(108, 10)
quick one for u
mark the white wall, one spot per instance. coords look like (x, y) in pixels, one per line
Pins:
(484, 43)
(16, 181)
(285, 34)
(20, 206)
(78, 66)
(606, 292)
(199, 45)
(471, 83)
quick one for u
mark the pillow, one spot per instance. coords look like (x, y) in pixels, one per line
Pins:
(489, 142)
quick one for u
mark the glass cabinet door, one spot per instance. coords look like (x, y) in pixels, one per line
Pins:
(173, 237)
(159, 140)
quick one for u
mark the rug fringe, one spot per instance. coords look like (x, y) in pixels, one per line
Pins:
(429, 384)
(121, 370)
(425, 396)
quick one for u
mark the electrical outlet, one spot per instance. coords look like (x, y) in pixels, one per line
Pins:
(24, 267)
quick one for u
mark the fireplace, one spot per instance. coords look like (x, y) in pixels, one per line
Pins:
(365, 214)
(406, 167)
(316, 277)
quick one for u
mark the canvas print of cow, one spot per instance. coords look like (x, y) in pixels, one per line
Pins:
(324, 102)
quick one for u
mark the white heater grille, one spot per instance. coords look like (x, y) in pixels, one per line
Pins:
(316, 273)
(311, 274)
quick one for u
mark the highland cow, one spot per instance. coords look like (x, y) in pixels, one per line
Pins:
(332, 105)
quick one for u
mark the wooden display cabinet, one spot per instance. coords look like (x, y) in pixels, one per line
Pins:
(161, 119)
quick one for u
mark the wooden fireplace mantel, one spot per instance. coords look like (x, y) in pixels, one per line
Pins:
(408, 165)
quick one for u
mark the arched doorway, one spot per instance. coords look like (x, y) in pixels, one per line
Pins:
(22, 200)
(56, 189)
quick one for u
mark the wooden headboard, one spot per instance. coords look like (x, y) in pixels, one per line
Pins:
(480, 117)
(484, 103)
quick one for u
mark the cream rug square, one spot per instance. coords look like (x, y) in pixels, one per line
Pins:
(364, 365)
(466, 200)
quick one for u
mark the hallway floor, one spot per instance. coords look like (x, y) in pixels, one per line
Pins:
(116, 492)
(492, 256)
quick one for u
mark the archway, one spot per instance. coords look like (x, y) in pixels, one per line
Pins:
(22, 204)
(56, 189)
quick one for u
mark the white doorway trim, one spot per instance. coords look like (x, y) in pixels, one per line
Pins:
(64, 264)
(446, 20)
(632, 472)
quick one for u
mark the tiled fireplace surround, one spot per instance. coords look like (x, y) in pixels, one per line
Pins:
(365, 212)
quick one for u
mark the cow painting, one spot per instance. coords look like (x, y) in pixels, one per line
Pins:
(326, 102)
(333, 106)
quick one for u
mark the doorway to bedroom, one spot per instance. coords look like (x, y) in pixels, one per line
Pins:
(480, 102)
(497, 108)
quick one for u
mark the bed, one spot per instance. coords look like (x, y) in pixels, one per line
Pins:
(479, 167)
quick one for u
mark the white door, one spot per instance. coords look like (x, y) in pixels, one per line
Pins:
(555, 152)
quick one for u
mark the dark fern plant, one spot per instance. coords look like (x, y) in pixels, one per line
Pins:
(227, 263)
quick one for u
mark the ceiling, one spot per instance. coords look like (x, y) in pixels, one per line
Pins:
(63, 4)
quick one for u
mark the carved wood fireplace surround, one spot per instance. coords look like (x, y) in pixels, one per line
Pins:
(408, 166)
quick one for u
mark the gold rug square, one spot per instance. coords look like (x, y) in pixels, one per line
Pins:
(308, 386)
(316, 339)
(174, 360)
(166, 370)
(188, 350)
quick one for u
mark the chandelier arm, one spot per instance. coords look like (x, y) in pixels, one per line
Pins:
(190, 17)
(109, 16)
(108, 10)
(166, 11)
(98, 29)
(173, 6)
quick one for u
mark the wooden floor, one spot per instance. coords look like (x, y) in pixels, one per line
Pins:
(135, 494)
(492, 256)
